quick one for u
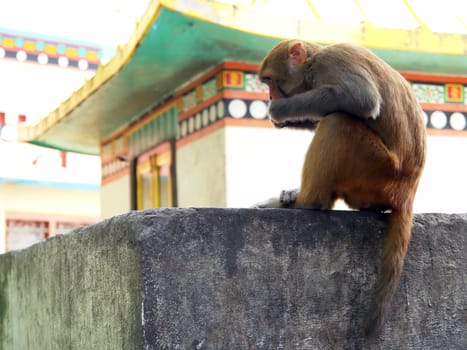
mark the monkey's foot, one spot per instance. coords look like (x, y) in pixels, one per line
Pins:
(286, 200)
(268, 203)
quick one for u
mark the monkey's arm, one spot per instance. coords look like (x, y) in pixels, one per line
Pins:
(352, 95)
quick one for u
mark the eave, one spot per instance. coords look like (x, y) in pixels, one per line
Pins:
(170, 47)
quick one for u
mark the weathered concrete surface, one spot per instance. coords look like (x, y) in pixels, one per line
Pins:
(233, 279)
(80, 291)
(295, 279)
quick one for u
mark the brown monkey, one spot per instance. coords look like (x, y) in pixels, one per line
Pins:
(369, 146)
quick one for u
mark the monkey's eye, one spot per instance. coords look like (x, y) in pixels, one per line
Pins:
(266, 80)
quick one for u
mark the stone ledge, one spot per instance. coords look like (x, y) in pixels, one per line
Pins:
(233, 279)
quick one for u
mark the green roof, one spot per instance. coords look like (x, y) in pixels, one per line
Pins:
(168, 49)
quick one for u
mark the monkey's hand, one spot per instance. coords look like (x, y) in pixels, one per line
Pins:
(286, 200)
(282, 115)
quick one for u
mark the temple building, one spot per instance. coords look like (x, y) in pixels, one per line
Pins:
(179, 117)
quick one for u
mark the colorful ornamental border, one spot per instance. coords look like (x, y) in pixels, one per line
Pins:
(257, 109)
(426, 92)
(42, 51)
(440, 93)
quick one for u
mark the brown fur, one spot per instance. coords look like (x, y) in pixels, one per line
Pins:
(369, 145)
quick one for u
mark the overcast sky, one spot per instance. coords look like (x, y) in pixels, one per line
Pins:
(108, 23)
(103, 22)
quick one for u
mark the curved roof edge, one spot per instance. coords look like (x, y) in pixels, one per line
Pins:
(119, 91)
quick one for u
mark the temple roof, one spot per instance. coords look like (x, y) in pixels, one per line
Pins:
(174, 42)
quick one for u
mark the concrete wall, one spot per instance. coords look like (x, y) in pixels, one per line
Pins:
(233, 279)
(79, 291)
(201, 171)
(115, 197)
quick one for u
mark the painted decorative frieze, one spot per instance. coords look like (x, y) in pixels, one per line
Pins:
(254, 85)
(189, 100)
(209, 89)
(440, 93)
(48, 52)
(428, 93)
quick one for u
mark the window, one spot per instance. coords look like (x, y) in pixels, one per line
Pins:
(23, 229)
(23, 233)
(154, 181)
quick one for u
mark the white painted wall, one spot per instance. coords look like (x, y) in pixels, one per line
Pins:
(262, 162)
(49, 202)
(201, 169)
(115, 197)
(240, 166)
(44, 200)
(443, 187)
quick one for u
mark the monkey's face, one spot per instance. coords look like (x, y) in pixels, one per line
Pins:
(279, 88)
(282, 81)
(285, 76)
(286, 71)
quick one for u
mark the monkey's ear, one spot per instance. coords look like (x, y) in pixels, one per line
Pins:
(297, 53)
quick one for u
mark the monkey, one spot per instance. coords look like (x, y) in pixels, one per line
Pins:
(368, 148)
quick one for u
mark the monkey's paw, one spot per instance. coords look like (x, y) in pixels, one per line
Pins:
(283, 116)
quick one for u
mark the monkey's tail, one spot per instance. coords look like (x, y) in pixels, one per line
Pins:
(395, 248)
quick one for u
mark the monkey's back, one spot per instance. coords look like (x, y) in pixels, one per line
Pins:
(400, 123)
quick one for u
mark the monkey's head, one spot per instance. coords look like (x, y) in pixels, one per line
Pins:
(284, 69)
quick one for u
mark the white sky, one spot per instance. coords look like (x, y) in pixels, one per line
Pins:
(440, 16)
(105, 23)
(110, 22)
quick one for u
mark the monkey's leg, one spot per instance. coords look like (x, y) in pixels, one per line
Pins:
(346, 160)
